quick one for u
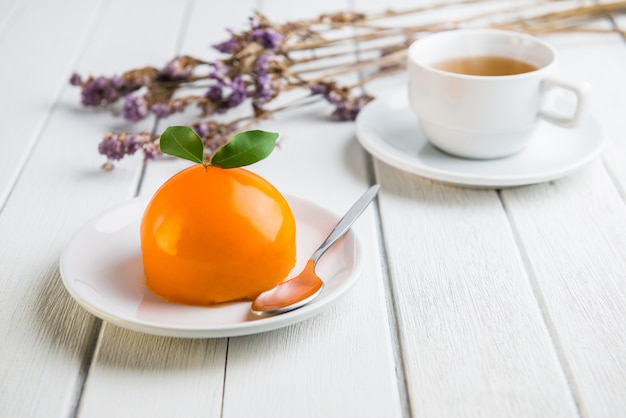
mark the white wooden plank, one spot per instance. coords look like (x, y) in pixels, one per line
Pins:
(613, 64)
(149, 376)
(603, 62)
(583, 285)
(37, 67)
(7, 8)
(583, 288)
(47, 340)
(473, 337)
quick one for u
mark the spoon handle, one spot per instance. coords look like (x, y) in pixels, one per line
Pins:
(346, 221)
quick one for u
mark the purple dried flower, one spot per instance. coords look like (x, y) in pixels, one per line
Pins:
(117, 82)
(150, 150)
(111, 147)
(334, 97)
(100, 90)
(238, 93)
(342, 113)
(178, 105)
(164, 110)
(177, 69)
(214, 93)
(319, 88)
(346, 108)
(263, 62)
(219, 73)
(115, 146)
(94, 91)
(75, 80)
(146, 143)
(268, 37)
(110, 93)
(161, 110)
(131, 143)
(201, 128)
(101, 82)
(264, 86)
(349, 109)
(135, 108)
(229, 46)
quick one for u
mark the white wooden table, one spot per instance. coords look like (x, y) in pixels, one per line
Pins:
(473, 302)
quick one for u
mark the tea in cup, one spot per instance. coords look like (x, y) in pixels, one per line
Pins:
(480, 93)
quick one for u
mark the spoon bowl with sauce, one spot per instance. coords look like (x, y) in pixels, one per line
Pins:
(302, 289)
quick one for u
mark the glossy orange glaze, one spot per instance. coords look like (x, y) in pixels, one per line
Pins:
(213, 235)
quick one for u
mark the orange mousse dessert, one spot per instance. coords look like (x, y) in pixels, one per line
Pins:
(212, 235)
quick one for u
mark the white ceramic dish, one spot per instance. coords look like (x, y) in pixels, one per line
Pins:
(388, 129)
(101, 268)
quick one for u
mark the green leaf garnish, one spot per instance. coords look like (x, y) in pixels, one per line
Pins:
(245, 148)
(183, 142)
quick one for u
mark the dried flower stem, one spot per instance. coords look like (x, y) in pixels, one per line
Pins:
(268, 59)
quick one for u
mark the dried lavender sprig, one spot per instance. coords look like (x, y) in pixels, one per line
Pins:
(180, 69)
(259, 63)
(116, 146)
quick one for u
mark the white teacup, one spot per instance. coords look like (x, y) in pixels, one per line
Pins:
(485, 116)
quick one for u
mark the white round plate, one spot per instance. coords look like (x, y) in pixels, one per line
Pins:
(389, 130)
(102, 269)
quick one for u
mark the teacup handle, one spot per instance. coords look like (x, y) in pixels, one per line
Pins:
(581, 91)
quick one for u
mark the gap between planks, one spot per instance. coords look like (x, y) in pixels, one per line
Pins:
(541, 304)
(390, 303)
(40, 128)
(92, 354)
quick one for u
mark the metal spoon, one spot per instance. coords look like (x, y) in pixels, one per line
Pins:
(306, 286)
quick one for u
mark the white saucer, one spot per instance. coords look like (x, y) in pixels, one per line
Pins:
(101, 268)
(389, 130)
